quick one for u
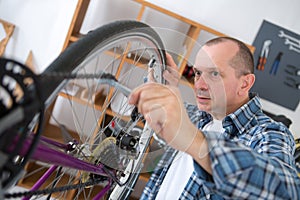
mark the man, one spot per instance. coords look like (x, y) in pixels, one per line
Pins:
(226, 148)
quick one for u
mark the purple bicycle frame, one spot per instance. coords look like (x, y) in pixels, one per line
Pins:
(57, 158)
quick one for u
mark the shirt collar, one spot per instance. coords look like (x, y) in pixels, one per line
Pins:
(243, 118)
(235, 123)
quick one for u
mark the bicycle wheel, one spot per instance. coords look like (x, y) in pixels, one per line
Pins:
(97, 116)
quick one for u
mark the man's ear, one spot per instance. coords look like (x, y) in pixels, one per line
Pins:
(247, 82)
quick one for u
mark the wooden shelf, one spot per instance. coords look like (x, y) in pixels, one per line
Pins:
(76, 23)
(162, 10)
(119, 54)
(75, 37)
(192, 33)
(54, 132)
(9, 29)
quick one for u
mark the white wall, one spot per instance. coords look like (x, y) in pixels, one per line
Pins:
(238, 18)
(42, 25)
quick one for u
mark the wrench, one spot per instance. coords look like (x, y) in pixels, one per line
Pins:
(289, 42)
(293, 48)
(283, 35)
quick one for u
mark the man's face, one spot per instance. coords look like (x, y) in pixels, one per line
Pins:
(216, 84)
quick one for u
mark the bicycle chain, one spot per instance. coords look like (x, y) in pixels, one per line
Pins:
(52, 190)
(78, 76)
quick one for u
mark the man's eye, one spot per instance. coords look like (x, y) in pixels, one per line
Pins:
(215, 73)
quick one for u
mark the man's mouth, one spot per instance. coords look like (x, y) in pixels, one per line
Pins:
(203, 99)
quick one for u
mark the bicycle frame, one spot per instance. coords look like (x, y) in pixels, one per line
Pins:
(60, 157)
(57, 158)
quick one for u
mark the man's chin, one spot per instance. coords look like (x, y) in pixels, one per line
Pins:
(204, 107)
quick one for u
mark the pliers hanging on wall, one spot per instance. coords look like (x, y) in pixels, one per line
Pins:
(292, 70)
(263, 55)
(292, 83)
(276, 62)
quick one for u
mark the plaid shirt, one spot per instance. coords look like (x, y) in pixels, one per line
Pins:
(252, 159)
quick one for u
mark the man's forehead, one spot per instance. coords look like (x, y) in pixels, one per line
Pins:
(206, 59)
(205, 68)
(203, 59)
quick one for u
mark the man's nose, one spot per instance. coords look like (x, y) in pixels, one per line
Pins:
(201, 83)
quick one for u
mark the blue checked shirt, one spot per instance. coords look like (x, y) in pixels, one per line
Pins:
(252, 159)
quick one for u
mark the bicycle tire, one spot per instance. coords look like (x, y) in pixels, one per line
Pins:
(76, 59)
(102, 35)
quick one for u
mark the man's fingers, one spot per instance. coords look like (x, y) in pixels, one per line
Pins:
(171, 62)
(149, 94)
(151, 104)
(171, 74)
(156, 117)
(145, 92)
(172, 79)
(133, 98)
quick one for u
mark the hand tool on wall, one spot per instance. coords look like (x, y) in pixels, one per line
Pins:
(263, 55)
(276, 62)
(292, 70)
(282, 34)
(293, 48)
(292, 42)
(292, 83)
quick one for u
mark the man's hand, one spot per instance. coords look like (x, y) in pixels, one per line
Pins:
(163, 109)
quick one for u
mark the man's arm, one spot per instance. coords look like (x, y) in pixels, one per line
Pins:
(264, 169)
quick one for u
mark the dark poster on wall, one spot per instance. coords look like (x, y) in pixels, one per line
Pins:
(277, 65)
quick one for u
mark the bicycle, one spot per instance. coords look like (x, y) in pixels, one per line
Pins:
(102, 159)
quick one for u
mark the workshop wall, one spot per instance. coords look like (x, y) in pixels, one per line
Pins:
(41, 26)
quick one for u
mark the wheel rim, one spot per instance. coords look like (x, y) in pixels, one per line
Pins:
(136, 51)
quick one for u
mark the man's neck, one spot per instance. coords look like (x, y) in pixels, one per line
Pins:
(217, 116)
(244, 101)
